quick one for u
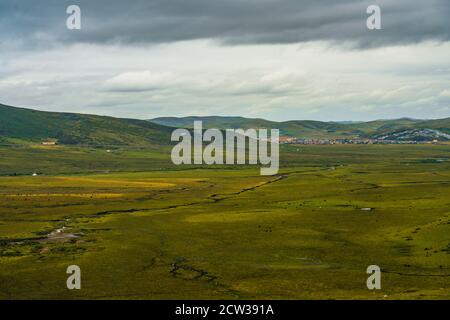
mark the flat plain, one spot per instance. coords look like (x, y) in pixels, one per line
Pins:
(141, 228)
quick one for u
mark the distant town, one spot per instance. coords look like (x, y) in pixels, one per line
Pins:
(407, 136)
(306, 141)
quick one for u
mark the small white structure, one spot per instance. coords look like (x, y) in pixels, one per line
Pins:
(50, 142)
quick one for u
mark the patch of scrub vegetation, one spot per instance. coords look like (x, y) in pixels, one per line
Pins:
(432, 160)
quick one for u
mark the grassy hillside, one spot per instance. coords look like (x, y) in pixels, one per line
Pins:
(70, 128)
(216, 122)
(312, 129)
(19, 125)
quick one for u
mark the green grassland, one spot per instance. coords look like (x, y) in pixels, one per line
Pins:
(141, 228)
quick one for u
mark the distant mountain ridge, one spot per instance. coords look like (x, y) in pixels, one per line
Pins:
(72, 128)
(318, 129)
(19, 124)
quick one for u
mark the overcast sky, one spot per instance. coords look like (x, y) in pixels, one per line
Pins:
(274, 59)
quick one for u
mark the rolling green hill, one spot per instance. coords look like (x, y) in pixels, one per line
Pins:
(26, 125)
(313, 129)
(70, 128)
(215, 122)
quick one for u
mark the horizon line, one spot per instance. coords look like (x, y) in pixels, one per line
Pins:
(225, 116)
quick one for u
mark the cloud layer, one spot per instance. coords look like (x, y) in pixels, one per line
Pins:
(42, 23)
(279, 82)
(276, 59)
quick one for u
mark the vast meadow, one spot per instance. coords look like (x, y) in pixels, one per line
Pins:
(142, 228)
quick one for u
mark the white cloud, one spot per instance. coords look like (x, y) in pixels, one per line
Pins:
(201, 78)
(140, 81)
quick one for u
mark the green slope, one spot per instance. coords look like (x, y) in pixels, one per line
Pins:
(18, 124)
(311, 129)
(438, 124)
(215, 122)
(71, 128)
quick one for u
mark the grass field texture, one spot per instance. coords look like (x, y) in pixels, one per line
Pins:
(141, 228)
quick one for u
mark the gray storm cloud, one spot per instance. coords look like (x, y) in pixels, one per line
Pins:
(42, 23)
